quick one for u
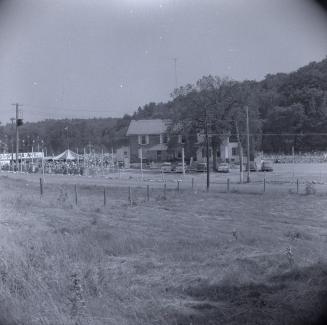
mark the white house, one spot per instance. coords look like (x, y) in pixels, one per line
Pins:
(227, 151)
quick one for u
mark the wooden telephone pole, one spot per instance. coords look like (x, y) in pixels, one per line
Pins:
(207, 149)
(12, 119)
(248, 144)
(19, 122)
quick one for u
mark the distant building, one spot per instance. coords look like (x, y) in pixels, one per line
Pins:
(226, 151)
(123, 156)
(149, 139)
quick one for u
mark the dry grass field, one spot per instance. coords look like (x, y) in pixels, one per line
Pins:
(189, 258)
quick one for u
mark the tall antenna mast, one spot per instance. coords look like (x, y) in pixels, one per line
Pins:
(175, 72)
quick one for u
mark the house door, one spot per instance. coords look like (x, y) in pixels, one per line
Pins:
(159, 155)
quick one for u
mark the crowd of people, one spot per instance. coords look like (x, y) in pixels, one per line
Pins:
(91, 164)
(98, 160)
(71, 167)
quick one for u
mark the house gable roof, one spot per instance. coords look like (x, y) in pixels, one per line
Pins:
(147, 127)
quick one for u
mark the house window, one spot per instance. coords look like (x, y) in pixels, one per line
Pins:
(164, 138)
(143, 139)
(234, 151)
(181, 138)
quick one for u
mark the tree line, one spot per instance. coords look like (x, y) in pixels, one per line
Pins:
(54, 136)
(286, 110)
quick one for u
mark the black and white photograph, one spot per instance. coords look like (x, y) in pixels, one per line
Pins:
(163, 162)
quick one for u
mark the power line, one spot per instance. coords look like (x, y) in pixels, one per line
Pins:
(77, 108)
(269, 134)
(40, 108)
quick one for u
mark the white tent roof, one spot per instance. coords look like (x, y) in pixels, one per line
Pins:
(68, 155)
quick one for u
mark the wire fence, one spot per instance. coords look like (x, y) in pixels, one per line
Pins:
(135, 185)
(133, 193)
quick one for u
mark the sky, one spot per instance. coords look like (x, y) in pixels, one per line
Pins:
(101, 58)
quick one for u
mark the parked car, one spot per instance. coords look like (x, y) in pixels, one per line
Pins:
(201, 167)
(234, 165)
(267, 166)
(253, 167)
(192, 167)
(166, 167)
(179, 168)
(223, 168)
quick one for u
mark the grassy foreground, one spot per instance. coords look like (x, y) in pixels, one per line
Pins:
(193, 258)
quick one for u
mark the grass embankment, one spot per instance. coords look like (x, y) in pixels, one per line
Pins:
(203, 258)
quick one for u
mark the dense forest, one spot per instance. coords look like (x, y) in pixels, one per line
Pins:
(285, 111)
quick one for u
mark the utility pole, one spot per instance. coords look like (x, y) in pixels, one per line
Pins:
(207, 149)
(141, 159)
(19, 122)
(240, 152)
(183, 160)
(17, 136)
(84, 156)
(248, 144)
(12, 143)
(33, 153)
(293, 161)
(67, 139)
(175, 72)
(102, 161)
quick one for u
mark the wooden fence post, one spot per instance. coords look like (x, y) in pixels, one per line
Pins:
(104, 196)
(228, 185)
(178, 187)
(41, 186)
(264, 185)
(130, 195)
(148, 192)
(165, 189)
(192, 183)
(76, 197)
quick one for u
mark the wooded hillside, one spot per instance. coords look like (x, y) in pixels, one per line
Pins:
(285, 110)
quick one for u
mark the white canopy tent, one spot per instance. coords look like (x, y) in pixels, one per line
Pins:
(68, 155)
